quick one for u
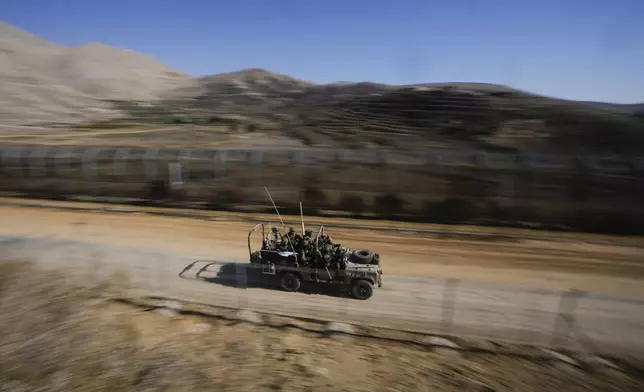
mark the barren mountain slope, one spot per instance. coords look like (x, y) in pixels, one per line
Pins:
(113, 73)
(44, 82)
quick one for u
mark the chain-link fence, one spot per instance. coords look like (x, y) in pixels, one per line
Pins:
(445, 186)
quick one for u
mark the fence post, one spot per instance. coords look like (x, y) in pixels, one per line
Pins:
(564, 323)
(175, 177)
(296, 158)
(63, 159)
(9, 158)
(120, 160)
(89, 163)
(151, 170)
(184, 162)
(448, 306)
(219, 164)
(341, 156)
(37, 162)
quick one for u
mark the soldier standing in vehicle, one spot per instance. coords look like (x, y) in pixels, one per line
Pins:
(283, 245)
(305, 247)
(293, 239)
(276, 233)
(274, 239)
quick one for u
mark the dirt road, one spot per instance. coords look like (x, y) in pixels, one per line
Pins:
(154, 250)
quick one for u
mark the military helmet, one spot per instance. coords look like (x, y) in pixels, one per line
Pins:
(291, 231)
(308, 232)
(275, 229)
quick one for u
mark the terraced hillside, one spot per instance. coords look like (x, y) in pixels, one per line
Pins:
(46, 83)
(477, 116)
(364, 115)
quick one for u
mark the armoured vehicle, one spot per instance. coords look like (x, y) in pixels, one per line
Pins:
(357, 270)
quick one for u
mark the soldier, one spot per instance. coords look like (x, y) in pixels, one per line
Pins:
(307, 243)
(326, 249)
(293, 238)
(338, 256)
(326, 252)
(283, 245)
(305, 247)
(273, 238)
(276, 233)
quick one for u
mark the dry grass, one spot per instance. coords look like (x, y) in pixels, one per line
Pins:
(57, 335)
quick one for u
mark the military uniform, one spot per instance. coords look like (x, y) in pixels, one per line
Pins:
(305, 247)
(292, 239)
(282, 245)
(274, 241)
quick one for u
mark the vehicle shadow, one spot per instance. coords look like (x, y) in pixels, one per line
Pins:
(243, 276)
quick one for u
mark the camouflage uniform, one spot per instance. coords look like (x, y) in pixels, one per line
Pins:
(305, 246)
(297, 240)
(274, 241)
(338, 252)
(327, 254)
(326, 249)
(292, 239)
(282, 245)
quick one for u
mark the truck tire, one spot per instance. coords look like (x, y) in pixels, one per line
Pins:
(362, 289)
(290, 282)
(361, 256)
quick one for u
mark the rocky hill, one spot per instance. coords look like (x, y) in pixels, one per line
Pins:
(363, 115)
(42, 81)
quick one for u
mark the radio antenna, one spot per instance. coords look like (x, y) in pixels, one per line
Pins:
(280, 217)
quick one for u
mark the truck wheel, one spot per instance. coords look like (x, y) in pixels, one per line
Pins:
(290, 282)
(362, 289)
(362, 256)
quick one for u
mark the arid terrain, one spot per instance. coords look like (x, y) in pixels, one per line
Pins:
(110, 297)
(100, 86)
(510, 290)
(59, 334)
(612, 268)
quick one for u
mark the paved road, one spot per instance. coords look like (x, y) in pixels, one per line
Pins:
(603, 323)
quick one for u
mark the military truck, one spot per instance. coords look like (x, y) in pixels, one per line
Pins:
(357, 270)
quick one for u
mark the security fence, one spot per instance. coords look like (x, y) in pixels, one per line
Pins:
(450, 186)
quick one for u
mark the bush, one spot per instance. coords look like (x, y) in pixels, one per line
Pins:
(158, 190)
(389, 205)
(352, 203)
(451, 210)
(314, 199)
(225, 198)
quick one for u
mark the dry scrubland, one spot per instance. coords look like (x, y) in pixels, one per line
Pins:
(63, 334)
(103, 86)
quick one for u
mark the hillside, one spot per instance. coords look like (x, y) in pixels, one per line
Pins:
(45, 82)
(479, 118)
(363, 115)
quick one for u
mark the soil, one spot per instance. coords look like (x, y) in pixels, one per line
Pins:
(612, 268)
(60, 336)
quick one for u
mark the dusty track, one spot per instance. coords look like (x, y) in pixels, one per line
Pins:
(155, 249)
